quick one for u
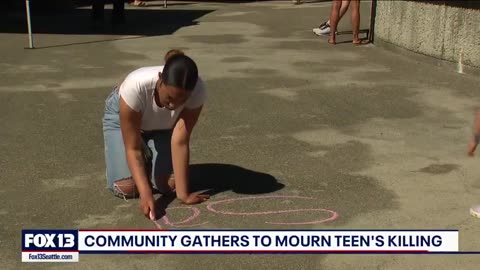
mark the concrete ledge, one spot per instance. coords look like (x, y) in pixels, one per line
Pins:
(442, 31)
(428, 59)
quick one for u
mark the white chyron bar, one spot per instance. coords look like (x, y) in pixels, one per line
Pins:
(268, 241)
(66, 245)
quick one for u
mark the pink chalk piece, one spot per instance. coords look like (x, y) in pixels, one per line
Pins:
(181, 224)
(333, 215)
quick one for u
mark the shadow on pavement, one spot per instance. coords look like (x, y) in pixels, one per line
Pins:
(216, 178)
(213, 178)
(144, 22)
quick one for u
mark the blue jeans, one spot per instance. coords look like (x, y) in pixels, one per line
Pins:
(156, 145)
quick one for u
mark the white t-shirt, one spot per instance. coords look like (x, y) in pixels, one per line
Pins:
(138, 92)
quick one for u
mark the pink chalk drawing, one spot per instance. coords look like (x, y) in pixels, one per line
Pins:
(181, 224)
(333, 215)
(157, 225)
(213, 207)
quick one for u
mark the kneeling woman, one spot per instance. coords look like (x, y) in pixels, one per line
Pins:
(147, 125)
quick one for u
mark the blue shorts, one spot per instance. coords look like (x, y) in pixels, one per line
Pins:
(156, 145)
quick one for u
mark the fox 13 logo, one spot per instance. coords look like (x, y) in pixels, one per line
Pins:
(49, 240)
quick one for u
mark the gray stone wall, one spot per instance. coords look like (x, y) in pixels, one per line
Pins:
(443, 30)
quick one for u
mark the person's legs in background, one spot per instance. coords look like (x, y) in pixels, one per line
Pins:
(98, 8)
(324, 28)
(334, 19)
(98, 13)
(356, 21)
(138, 3)
(118, 15)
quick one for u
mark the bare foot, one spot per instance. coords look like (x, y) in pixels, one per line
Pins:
(332, 40)
(360, 42)
(138, 3)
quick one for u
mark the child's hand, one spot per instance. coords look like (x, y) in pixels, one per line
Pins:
(196, 198)
(476, 132)
(471, 148)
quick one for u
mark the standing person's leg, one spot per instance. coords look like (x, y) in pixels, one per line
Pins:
(356, 21)
(98, 8)
(334, 19)
(118, 15)
(344, 8)
(324, 28)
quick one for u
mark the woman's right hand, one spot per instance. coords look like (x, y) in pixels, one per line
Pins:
(476, 134)
(147, 205)
(471, 148)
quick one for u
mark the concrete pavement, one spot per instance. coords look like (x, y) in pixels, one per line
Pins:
(378, 137)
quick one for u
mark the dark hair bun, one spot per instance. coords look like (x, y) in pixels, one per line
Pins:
(171, 53)
(180, 71)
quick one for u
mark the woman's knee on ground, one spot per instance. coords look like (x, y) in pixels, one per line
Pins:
(125, 188)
